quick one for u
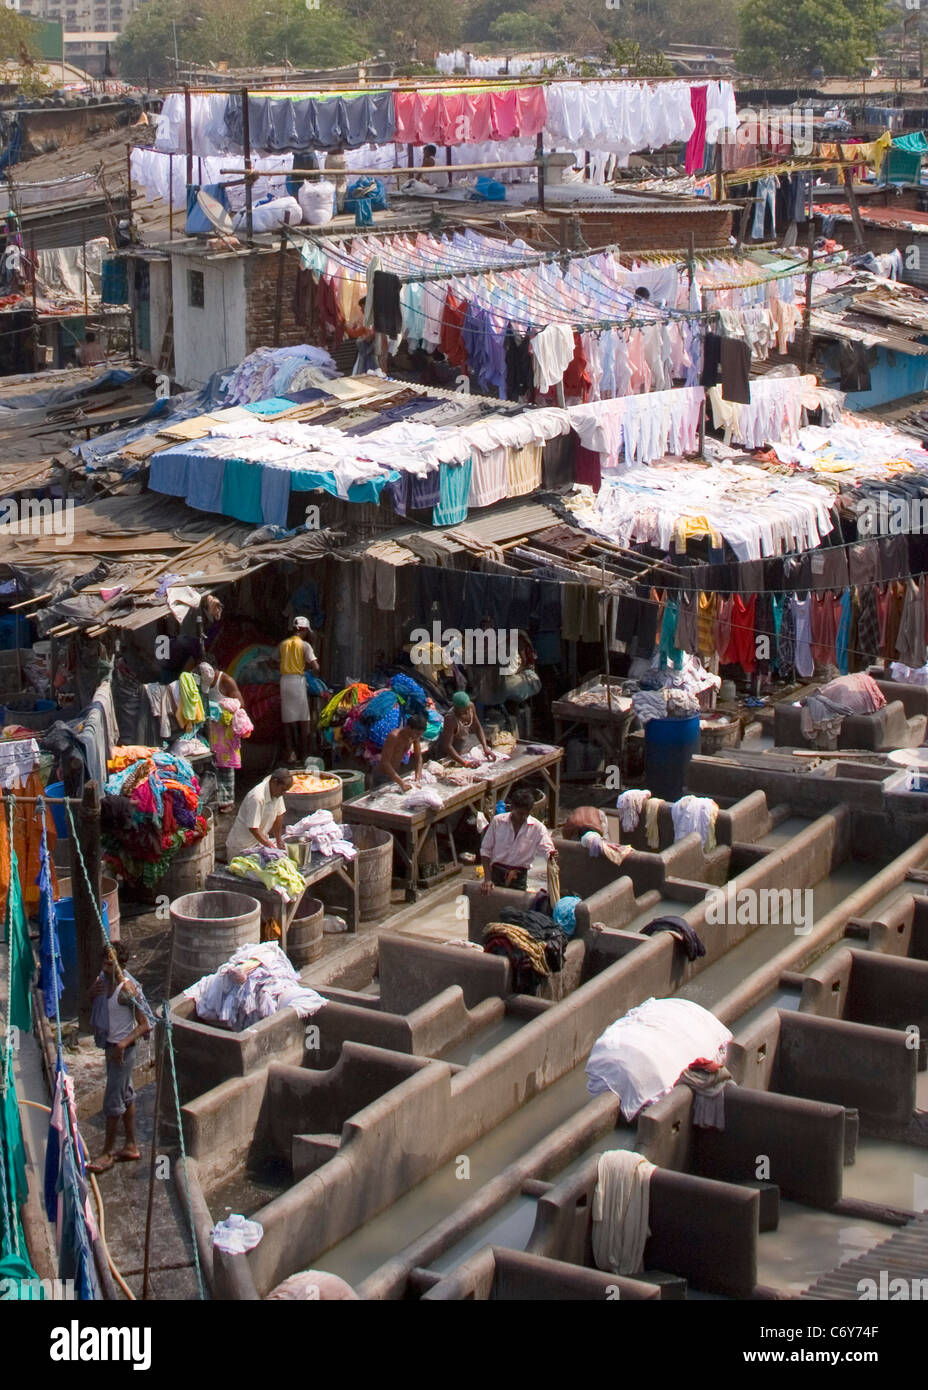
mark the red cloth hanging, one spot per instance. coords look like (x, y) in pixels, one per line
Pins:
(696, 146)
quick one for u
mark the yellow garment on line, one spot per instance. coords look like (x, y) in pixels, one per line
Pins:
(694, 526)
(191, 704)
(871, 152)
(292, 657)
(705, 620)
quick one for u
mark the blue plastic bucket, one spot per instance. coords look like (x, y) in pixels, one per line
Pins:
(668, 746)
(59, 814)
(67, 943)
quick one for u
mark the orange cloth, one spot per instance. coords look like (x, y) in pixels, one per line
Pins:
(27, 840)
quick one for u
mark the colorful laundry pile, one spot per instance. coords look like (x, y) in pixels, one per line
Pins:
(151, 810)
(370, 721)
(531, 943)
(253, 984)
(272, 867)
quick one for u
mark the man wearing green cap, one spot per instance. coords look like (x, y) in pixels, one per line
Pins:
(461, 731)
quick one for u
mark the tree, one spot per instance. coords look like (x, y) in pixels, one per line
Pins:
(237, 32)
(516, 30)
(838, 36)
(636, 61)
(17, 37)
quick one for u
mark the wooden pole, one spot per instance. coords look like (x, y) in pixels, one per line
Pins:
(35, 312)
(718, 172)
(84, 269)
(246, 148)
(170, 197)
(854, 207)
(86, 926)
(159, 1084)
(807, 311)
(540, 156)
(129, 181)
(189, 130)
(279, 298)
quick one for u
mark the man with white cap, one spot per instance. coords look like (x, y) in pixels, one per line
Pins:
(296, 658)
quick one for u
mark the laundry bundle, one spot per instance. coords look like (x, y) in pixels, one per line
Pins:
(257, 981)
(370, 721)
(531, 942)
(322, 832)
(642, 1055)
(272, 867)
(151, 809)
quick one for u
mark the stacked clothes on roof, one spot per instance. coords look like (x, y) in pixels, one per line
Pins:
(272, 867)
(253, 984)
(531, 943)
(151, 809)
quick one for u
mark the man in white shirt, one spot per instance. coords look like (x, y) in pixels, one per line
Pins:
(260, 817)
(512, 840)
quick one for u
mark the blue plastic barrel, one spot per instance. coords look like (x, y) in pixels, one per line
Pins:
(43, 706)
(67, 941)
(668, 746)
(59, 815)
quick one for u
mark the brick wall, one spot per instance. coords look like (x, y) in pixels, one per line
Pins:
(261, 275)
(637, 231)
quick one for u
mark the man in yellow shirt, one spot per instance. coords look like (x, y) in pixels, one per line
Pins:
(296, 657)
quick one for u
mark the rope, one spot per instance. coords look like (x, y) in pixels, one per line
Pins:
(169, 1047)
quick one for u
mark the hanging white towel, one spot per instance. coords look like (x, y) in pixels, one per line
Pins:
(620, 1211)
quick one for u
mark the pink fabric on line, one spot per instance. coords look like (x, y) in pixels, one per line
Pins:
(458, 118)
(696, 145)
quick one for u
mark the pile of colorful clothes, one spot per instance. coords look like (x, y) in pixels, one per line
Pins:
(150, 810)
(531, 943)
(375, 715)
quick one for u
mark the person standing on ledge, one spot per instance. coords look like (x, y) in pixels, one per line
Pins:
(118, 1015)
(296, 658)
(511, 842)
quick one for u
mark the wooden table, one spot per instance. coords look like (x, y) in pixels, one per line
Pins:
(613, 728)
(412, 828)
(319, 867)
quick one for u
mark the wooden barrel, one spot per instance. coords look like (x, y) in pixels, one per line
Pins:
(375, 871)
(208, 929)
(110, 895)
(304, 934)
(352, 782)
(324, 794)
(190, 865)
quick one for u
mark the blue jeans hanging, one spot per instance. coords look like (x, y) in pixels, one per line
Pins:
(765, 193)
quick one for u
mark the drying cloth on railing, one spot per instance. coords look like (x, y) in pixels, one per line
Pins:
(708, 1080)
(642, 1055)
(630, 805)
(681, 929)
(253, 984)
(620, 1210)
(652, 832)
(697, 813)
(235, 1235)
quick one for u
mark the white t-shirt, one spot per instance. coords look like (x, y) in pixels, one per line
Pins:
(259, 811)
